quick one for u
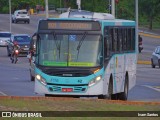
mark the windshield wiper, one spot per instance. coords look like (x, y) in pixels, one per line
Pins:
(58, 46)
(80, 43)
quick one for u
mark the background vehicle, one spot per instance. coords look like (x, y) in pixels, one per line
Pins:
(4, 37)
(20, 15)
(155, 59)
(23, 41)
(86, 57)
(140, 41)
(14, 58)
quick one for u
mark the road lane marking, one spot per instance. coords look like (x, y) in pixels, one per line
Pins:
(151, 87)
(3, 93)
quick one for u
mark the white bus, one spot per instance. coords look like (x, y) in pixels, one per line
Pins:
(86, 54)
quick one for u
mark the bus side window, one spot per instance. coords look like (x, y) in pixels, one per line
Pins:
(124, 39)
(133, 39)
(111, 40)
(105, 48)
(120, 39)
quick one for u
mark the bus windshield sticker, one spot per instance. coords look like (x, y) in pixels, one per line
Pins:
(88, 64)
(72, 37)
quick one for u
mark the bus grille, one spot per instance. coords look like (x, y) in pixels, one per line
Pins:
(55, 88)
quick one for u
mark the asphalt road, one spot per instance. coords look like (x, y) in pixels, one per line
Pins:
(15, 78)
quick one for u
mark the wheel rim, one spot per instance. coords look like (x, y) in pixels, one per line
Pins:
(126, 88)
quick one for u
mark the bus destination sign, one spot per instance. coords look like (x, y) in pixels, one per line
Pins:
(68, 25)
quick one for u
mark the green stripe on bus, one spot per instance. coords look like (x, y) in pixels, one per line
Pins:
(49, 63)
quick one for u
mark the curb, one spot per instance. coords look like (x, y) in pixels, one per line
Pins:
(149, 35)
(72, 99)
(144, 62)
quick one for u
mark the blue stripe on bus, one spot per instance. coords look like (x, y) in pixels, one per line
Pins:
(120, 24)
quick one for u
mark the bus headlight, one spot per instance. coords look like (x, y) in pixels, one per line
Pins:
(42, 80)
(95, 80)
(38, 77)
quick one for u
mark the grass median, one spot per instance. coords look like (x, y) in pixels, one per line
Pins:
(69, 104)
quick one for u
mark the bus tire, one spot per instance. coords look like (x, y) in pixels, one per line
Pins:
(124, 95)
(110, 91)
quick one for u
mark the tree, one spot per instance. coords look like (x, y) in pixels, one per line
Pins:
(150, 8)
(125, 9)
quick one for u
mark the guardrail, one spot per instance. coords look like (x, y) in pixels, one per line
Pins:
(61, 10)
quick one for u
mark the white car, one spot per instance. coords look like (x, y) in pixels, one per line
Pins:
(4, 37)
(155, 59)
(20, 15)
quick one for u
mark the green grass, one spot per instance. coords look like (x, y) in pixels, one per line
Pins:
(71, 105)
(67, 104)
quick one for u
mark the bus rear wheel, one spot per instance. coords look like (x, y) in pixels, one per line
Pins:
(124, 95)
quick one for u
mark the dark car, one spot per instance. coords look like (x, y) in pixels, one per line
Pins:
(23, 41)
(155, 59)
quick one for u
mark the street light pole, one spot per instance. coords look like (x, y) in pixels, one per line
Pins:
(136, 19)
(113, 7)
(79, 4)
(10, 28)
(46, 2)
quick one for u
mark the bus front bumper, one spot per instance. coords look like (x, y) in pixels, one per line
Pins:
(94, 90)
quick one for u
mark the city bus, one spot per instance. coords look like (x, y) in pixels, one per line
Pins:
(83, 54)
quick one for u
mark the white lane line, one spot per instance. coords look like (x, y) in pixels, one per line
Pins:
(2, 93)
(151, 87)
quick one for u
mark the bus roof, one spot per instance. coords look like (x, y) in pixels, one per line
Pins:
(103, 18)
(115, 22)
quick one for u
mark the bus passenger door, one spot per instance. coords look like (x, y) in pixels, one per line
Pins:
(118, 60)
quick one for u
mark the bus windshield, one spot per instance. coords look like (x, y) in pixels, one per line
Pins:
(70, 50)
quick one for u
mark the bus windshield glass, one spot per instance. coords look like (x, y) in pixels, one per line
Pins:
(70, 50)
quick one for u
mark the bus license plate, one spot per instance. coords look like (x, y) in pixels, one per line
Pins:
(67, 89)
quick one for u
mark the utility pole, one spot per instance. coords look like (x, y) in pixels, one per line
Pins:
(79, 4)
(110, 6)
(10, 19)
(46, 4)
(136, 20)
(113, 7)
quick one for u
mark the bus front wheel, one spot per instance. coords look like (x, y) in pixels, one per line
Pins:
(110, 91)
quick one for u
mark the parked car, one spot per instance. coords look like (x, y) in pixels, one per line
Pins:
(23, 41)
(155, 59)
(4, 37)
(20, 15)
